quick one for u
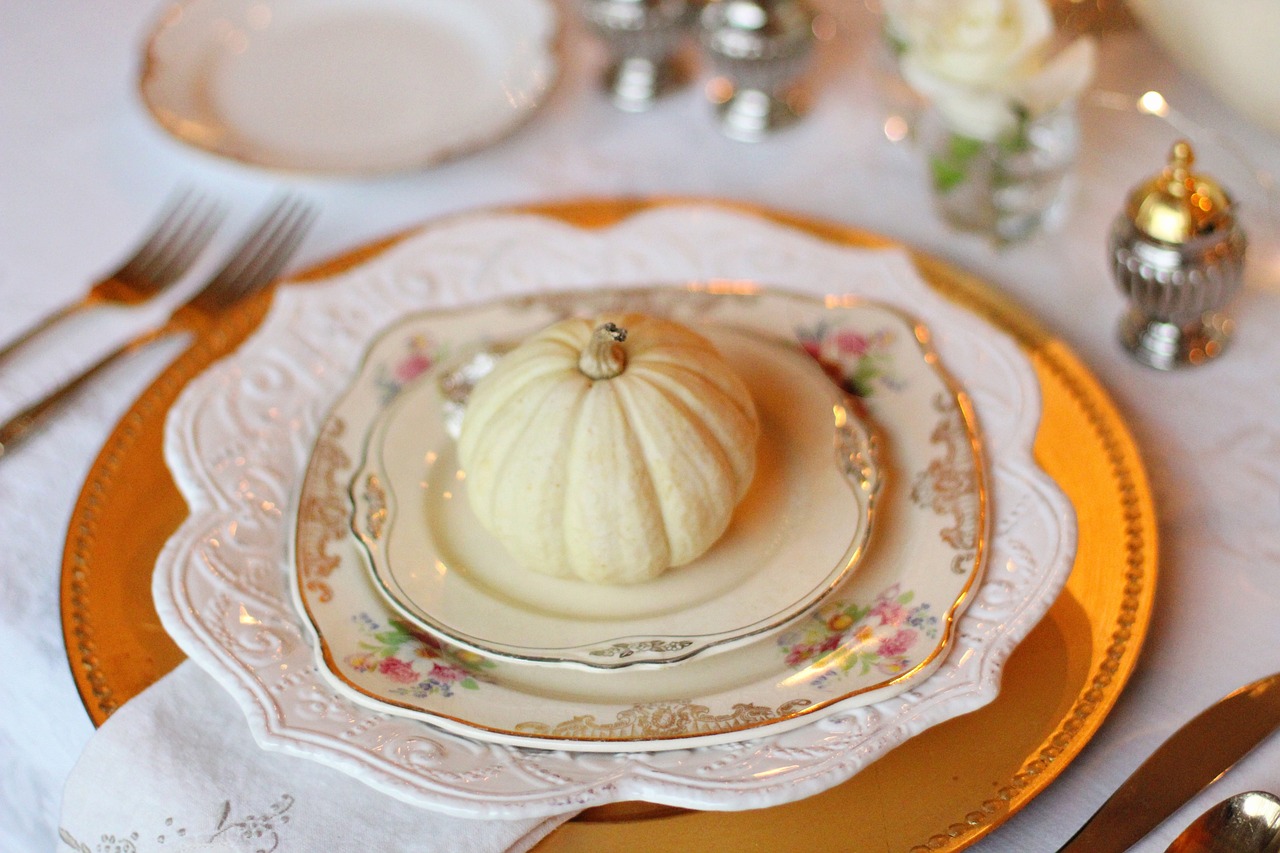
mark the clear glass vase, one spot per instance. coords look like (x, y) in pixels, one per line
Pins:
(1008, 189)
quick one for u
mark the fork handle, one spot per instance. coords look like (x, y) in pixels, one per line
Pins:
(43, 326)
(21, 424)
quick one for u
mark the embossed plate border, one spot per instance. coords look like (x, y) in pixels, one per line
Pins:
(237, 442)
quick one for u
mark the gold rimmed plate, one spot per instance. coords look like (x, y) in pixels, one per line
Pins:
(884, 630)
(799, 531)
(347, 87)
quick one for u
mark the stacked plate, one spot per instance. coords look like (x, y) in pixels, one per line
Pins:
(771, 627)
(800, 531)
(375, 626)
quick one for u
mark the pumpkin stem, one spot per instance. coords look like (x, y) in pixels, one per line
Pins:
(604, 357)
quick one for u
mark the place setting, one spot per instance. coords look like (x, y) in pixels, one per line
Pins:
(337, 577)
(659, 519)
(911, 517)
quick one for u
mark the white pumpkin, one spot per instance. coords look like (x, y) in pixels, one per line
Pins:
(609, 451)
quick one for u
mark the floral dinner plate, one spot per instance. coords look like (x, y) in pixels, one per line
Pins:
(883, 630)
(801, 528)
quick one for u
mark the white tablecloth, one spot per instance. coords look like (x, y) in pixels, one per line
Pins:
(82, 169)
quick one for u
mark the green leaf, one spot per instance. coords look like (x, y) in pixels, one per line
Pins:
(950, 168)
(469, 684)
(393, 639)
(863, 376)
(945, 175)
(906, 597)
(964, 148)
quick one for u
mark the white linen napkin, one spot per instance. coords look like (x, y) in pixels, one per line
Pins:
(176, 769)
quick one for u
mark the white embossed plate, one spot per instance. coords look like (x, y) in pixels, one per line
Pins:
(347, 86)
(239, 439)
(885, 629)
(801, 528)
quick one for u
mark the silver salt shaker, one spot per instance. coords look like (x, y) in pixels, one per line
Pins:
(645, 37)
(1178, 253)
(760, 48)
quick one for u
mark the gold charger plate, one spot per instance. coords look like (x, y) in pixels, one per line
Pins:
(942, 790)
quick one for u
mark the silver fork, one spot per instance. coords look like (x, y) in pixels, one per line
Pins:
(181, 231)
(261, 255)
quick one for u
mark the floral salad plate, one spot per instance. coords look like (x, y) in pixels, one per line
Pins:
(886, 626)
(801, 528)
(240, 439)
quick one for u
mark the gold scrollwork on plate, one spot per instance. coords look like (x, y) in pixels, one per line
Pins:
(949, 484)
(626, 650)
(376, 496)
(321, 518)
(655, 720)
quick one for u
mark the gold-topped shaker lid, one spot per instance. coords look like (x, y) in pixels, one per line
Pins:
(1177, 205)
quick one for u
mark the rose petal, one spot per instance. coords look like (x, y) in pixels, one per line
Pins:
(1060, 80)
(981, 114)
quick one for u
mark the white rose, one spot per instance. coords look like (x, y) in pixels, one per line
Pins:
(970, 42)
(982, 63)
(985, 114)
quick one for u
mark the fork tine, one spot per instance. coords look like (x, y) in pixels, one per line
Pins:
(275, 254)
(255, 237)
(177, 254)
(261, 253)
(178, 233)
(167, 224)
(184, 227)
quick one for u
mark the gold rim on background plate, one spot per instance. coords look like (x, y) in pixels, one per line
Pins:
(941, 790)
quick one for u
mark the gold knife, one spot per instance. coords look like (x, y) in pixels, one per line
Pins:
(1195, 755)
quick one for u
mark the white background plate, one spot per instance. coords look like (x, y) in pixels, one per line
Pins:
(347, 86)
(239, 438)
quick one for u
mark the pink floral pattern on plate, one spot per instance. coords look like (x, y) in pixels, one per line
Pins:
(416, 663)
(845, 636)
(854, 360)
(421, 354)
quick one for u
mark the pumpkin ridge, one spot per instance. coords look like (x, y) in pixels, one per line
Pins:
(724, 442)
(613, 392)
(555, 505)
(629, 391)
(702, 443)
(667, 367)
(474, 445)
(515, 372)
(682, 354)
(517, 442)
